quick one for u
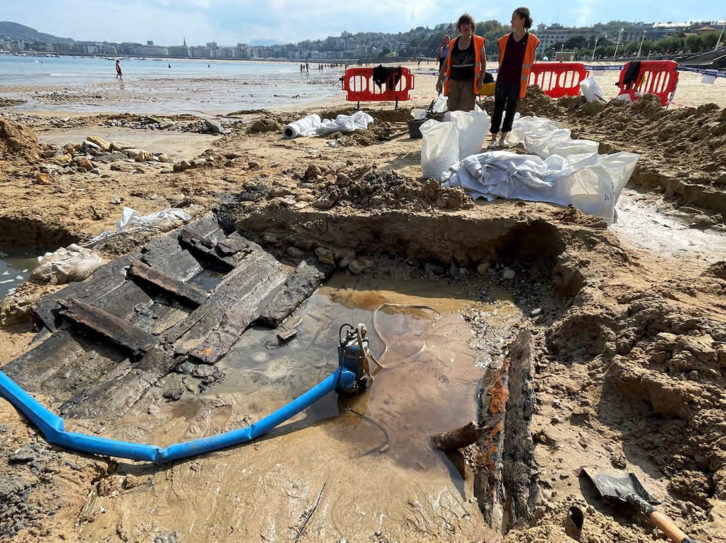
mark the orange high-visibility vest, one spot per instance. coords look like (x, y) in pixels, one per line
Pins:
(478, 46)
(532, 43)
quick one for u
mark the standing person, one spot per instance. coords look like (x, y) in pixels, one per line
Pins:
(462, 75)
(516, 56)
(443, 52)
(119, 73)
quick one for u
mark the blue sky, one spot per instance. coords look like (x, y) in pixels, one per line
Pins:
(232, 21)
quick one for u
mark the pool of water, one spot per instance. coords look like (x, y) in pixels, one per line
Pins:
(431, 374)
(15, 269)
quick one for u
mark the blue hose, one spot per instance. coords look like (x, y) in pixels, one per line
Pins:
(51, 425)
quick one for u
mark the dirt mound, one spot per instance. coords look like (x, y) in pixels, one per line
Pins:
(536, 102)
(717, 270)
(17, 141)
(389, 190)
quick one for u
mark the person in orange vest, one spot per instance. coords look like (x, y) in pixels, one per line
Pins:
(516, 56)
(462, 74)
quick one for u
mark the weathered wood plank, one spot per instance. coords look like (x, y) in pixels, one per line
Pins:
(166, 255)
(104, 280)
(306, 278)
(117, 394)
(113, 328)
(256, 277)
(168, 284)
(205, 249)
(238, 318)
(63, 364)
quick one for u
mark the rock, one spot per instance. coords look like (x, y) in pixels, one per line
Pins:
(184, 165)
(143, 156)
(294, 252)
(346, 257)
(254, 165)
(132, 153)
(164, 158)
(508, 274)
(120, 146)
(328, 199)
(356, 267)
(213, 126)
(96, 171)
(88, 146)
(24, 456)
(483, 268)
(84, 163)
(325, 256)
(434, 269)
(536, 312)
(43, 179)
(312, 172)
(342, 180)
(115, 200)
(203, 371)
(100, 142)
(63, 158)
(277, 192)
(167, 537)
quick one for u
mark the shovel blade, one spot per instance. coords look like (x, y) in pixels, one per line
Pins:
(616, 487)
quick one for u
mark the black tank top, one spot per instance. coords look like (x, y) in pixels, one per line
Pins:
(462, 62)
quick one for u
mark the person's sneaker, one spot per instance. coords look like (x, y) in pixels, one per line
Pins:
(493, 144)
(503, 144)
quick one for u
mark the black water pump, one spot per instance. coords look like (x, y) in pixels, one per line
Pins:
(354, 355)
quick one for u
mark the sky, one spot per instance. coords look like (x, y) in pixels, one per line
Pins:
(228, 22)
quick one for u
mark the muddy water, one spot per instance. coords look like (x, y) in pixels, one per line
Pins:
(645, 223)
(265, 490)
(15, 268)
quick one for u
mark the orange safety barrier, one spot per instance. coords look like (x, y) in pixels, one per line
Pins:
(558, 79)
(658, 77)
(360, 87)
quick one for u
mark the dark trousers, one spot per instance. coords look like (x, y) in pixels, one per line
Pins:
(506, 99)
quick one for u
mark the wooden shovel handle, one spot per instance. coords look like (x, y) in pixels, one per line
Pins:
(669, 528)
(664, 522)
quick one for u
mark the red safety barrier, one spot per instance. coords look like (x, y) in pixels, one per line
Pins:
(360, 87)
(658, 77)
(558, 79)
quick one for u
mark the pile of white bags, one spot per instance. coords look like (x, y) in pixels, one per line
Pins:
(69, 265)
(592, 186)
(132, 221)
(312, 125)
(446, 143)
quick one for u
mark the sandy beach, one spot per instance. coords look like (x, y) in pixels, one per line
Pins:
(569, 341)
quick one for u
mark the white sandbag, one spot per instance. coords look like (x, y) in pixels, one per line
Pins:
(69, 265)
(441, 104)
(440, 148)
(591, 89)
(345, 123)
(304, 127)
(473, 127)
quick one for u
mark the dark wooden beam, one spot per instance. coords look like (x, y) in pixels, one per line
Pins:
(116, 330)
(166, 283)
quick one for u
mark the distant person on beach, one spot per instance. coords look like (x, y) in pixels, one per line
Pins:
(462, 74)
(516, 56)
(443, 50)
(170, 66)
(119, 73)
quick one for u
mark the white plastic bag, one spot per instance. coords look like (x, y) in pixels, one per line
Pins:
(591, 89)
(304, 127)
(345, 123)
(440, 148)
(441, 104)
(418, 114)
(473, 127)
